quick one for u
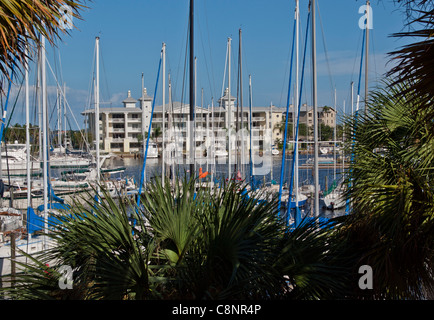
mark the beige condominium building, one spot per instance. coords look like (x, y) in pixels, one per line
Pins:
(124, 129)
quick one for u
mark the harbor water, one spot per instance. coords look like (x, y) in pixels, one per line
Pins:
(133, 168)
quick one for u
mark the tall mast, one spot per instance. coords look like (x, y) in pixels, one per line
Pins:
(315, 111)
(163, 159)
(250, 129)
(229, 109)
(64, 115)
(143, 123)
(241, 107)
(192, 93)
(352, 98)
(211, 132)
(59, 112)
(38, 89)
(334, 138)
(367, 53)
(44, 133)
(27, 127)
(271, 138)
(169, 125)
(297, 28)
(195, 112)
(97, 113)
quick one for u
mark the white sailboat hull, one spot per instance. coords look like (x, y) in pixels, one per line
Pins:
(334, 200)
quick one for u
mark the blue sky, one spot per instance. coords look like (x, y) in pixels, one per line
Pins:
(132, 32)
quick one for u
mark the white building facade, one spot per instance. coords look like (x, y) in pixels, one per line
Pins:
(124, 129)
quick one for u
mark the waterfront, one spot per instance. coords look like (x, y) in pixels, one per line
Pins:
(133, 167)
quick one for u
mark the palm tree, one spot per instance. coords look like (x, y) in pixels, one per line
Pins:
(414, 65)
(22, 22)
(185, 244)
(390, 187)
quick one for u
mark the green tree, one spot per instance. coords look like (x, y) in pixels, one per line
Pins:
(184, 243)
(22, 22)
(327, 132)
(390, 187)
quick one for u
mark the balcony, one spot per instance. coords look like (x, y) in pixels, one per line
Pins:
(134, 120)
(135, 129)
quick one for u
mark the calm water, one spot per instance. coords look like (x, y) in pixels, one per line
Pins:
(153, 167)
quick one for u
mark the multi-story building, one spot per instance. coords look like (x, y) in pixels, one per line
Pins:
(123, 129)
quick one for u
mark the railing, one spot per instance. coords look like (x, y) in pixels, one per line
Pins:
(117, 120)
(134, 119)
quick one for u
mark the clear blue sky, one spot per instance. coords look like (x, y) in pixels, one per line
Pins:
(132, 32)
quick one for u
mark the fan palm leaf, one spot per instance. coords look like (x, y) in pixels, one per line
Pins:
(23, 21)
(392, 193)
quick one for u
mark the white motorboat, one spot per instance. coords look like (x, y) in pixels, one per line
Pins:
(152, 151)
(220, 152)
(14, 160)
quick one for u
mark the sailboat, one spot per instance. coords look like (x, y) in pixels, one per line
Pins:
(18, 232)
(335, 197)
(116, 187)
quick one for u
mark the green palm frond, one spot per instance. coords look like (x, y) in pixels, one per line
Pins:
(414, 65)
(392, 193)
(23, 21)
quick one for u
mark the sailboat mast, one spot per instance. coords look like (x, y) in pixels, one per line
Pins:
(367, 54)
(59, 112)
(39, 94)
(315, 110)
(352, 98)
(44, 133)
(143, 123)
(241, 107)
(297, 28)
(229, 109)
(195, 112)
(250, 129)
(192, 93)
(27, 126)
(163, 159)
(169, 125)
(211, 132)
(97, 112)
(272, 143)
(334, 138)
(64, 115)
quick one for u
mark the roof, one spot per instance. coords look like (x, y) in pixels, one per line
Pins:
(129, 99)
(179, 107)
(225, 96)
(145, 96)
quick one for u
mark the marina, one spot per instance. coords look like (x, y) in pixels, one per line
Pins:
(210, 143)
(200, 180)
